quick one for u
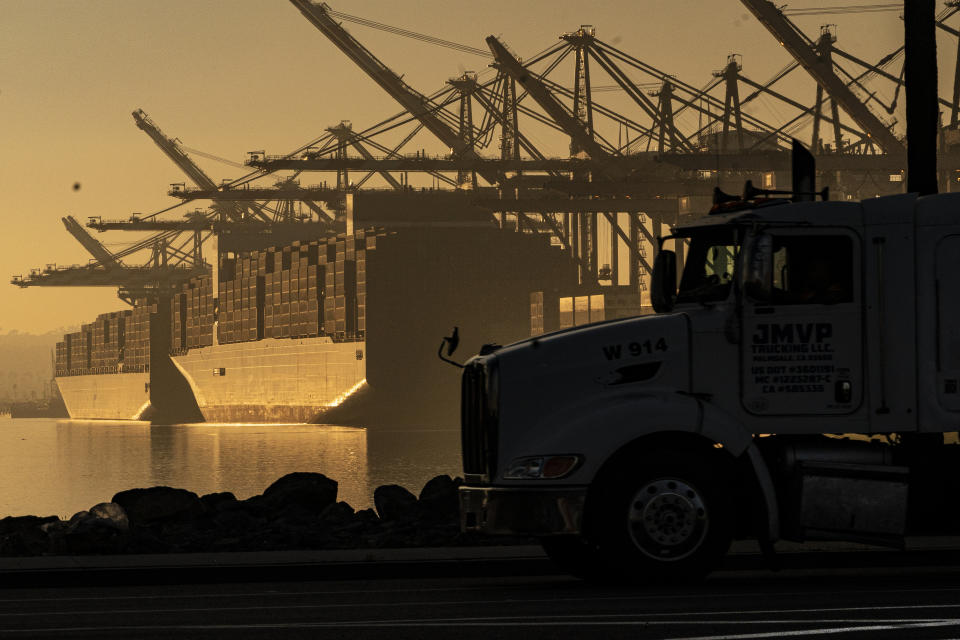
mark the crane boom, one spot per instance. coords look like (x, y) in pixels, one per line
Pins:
(821, 71)
(557, 112)
(173, 151)
(89, 243)
(409, 98)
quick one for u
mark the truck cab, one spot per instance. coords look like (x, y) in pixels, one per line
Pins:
(800, 381)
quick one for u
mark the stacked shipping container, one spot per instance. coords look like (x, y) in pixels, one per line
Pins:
(192, 315)
(116, 342)
(108, 340)
(136, 350)
(240, 288)
(302, 290)
(552, 312)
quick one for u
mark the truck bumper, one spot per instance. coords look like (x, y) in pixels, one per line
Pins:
(522, 510)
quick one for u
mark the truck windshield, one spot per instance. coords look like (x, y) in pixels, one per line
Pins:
(710, 263)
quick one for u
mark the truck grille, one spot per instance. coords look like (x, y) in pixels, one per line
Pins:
(478, 420)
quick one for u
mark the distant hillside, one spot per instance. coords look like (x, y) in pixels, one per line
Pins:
(26, 366)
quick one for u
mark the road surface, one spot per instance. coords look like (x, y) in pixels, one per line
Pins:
(897, 602)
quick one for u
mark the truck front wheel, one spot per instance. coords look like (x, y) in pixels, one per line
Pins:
(667, 517)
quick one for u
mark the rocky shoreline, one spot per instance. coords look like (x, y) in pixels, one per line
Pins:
(298, 511)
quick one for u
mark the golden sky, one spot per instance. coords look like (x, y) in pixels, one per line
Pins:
(228, 76)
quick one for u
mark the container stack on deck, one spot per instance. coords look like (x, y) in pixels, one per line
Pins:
(301, 290)
(73, 354)
(108, 341)
(240, 282)
(116, 342)
(192, 315)
(136, 350)
(77, 361)
(551, 312)
(294, 291)
(340, 312)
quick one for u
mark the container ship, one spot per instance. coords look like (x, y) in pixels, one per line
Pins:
(341, 329)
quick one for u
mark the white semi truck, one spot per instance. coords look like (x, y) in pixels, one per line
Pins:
(799, 381)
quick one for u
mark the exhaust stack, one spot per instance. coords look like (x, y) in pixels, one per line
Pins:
(920, 72)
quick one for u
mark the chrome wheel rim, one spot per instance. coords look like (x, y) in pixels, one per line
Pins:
(668, 519)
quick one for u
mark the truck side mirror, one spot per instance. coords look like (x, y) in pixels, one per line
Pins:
(663, 286)
(758, 273)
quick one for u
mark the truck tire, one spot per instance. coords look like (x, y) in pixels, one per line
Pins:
(667, 517)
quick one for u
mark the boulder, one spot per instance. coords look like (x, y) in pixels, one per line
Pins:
(111, 514)
(236, 521)
(158, 504)
(311, 491)
(439, 500)
(339, 513)
(368, 517)
(217, 501)
(254, 505)
(393, 502)
(101, 532)
(293, 516)
(26, 535)
(13, 524)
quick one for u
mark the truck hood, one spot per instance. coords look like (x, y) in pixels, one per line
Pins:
(610, 361)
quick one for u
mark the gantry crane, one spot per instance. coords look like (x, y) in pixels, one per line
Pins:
(414, 102)
(504, 112)
(172, 149)
(170, 264)
(821, 69)
(243, 220)
(580, 135)
(238, 211)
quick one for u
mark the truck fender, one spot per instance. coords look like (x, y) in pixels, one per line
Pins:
(765, 482)
(720, 427)
(625, 419)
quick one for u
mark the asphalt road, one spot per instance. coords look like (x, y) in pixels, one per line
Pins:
(854, 603)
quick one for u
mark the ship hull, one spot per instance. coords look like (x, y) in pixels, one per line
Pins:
(273, 380)
(109, 396)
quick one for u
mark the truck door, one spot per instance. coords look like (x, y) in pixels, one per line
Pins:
(802, 343)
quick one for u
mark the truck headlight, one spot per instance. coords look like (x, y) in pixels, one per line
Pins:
(541, 467)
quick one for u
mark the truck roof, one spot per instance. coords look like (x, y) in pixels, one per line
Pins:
(938, 209)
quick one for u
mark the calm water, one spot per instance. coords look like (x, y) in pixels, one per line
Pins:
(59, 467)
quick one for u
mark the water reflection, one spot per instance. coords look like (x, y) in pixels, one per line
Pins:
(60, 467)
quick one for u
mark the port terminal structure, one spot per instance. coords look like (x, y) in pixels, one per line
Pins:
(629, 173)
(663, 164)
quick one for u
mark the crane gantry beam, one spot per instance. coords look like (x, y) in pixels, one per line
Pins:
(754, 161)
(433, 163)
(414, 102)
(119, 276)
(300, 194)
(821, 70)
(199, 224)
